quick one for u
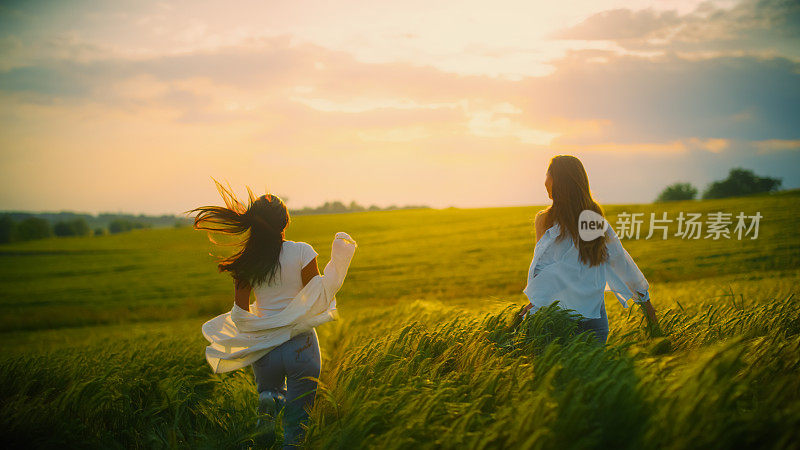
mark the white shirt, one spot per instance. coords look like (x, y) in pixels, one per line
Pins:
(557, 273)
(272, 298)
(238, 338)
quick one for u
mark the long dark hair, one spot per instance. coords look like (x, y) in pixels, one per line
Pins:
(262, 222)
(571, 195)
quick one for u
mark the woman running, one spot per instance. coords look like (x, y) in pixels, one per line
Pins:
(276, 334)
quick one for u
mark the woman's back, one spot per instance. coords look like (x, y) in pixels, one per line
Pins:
(557, 273)
(576, 270)
(272, 298)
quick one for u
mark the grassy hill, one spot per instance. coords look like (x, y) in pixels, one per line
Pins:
(451, 255)
(102, 346)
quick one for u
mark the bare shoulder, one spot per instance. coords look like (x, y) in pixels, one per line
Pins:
(539, 223)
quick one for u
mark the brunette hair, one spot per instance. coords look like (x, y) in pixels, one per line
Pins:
(571, 195)
(262, 222)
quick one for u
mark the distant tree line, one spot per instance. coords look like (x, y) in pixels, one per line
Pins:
(739, 182)
(103, 220)
(74, 227)
(339, 207)
(25, 230)
(23, 226)
(121, 225)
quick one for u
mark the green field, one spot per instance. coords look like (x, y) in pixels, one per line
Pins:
(101, 344)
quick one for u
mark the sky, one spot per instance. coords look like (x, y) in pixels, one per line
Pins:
(133, 106)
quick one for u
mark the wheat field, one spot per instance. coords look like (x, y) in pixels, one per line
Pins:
(101, 344)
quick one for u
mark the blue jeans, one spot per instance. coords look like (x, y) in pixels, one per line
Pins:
(281, 371)
(597, 326)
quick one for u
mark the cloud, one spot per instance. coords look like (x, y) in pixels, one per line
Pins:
(620, 25)
(766, 27)
(402, 132)
(636, 99)
(777, 145)
(664, 98)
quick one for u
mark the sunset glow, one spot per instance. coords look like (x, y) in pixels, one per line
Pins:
(134, 106)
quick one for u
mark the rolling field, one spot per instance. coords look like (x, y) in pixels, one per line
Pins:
(101, 344)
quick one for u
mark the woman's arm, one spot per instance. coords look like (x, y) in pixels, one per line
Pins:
(309, 271)
(242, 294)
(624, 268)
(539, 225)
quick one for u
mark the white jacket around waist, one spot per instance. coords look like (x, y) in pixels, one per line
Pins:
(238, 337)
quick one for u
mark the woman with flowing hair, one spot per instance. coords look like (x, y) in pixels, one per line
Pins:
(276, 334)
(575, 271)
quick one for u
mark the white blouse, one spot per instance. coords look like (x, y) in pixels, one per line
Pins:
(272, 298)
(557, 273)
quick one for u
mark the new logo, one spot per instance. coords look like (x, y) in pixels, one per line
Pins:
(591, 225)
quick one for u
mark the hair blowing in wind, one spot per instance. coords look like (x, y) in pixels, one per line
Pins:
(261, 222)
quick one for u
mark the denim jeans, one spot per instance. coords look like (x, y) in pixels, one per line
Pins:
(281, 371)
(597, 326)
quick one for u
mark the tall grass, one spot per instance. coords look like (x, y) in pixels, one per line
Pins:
(427, 375)
(722, 379)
